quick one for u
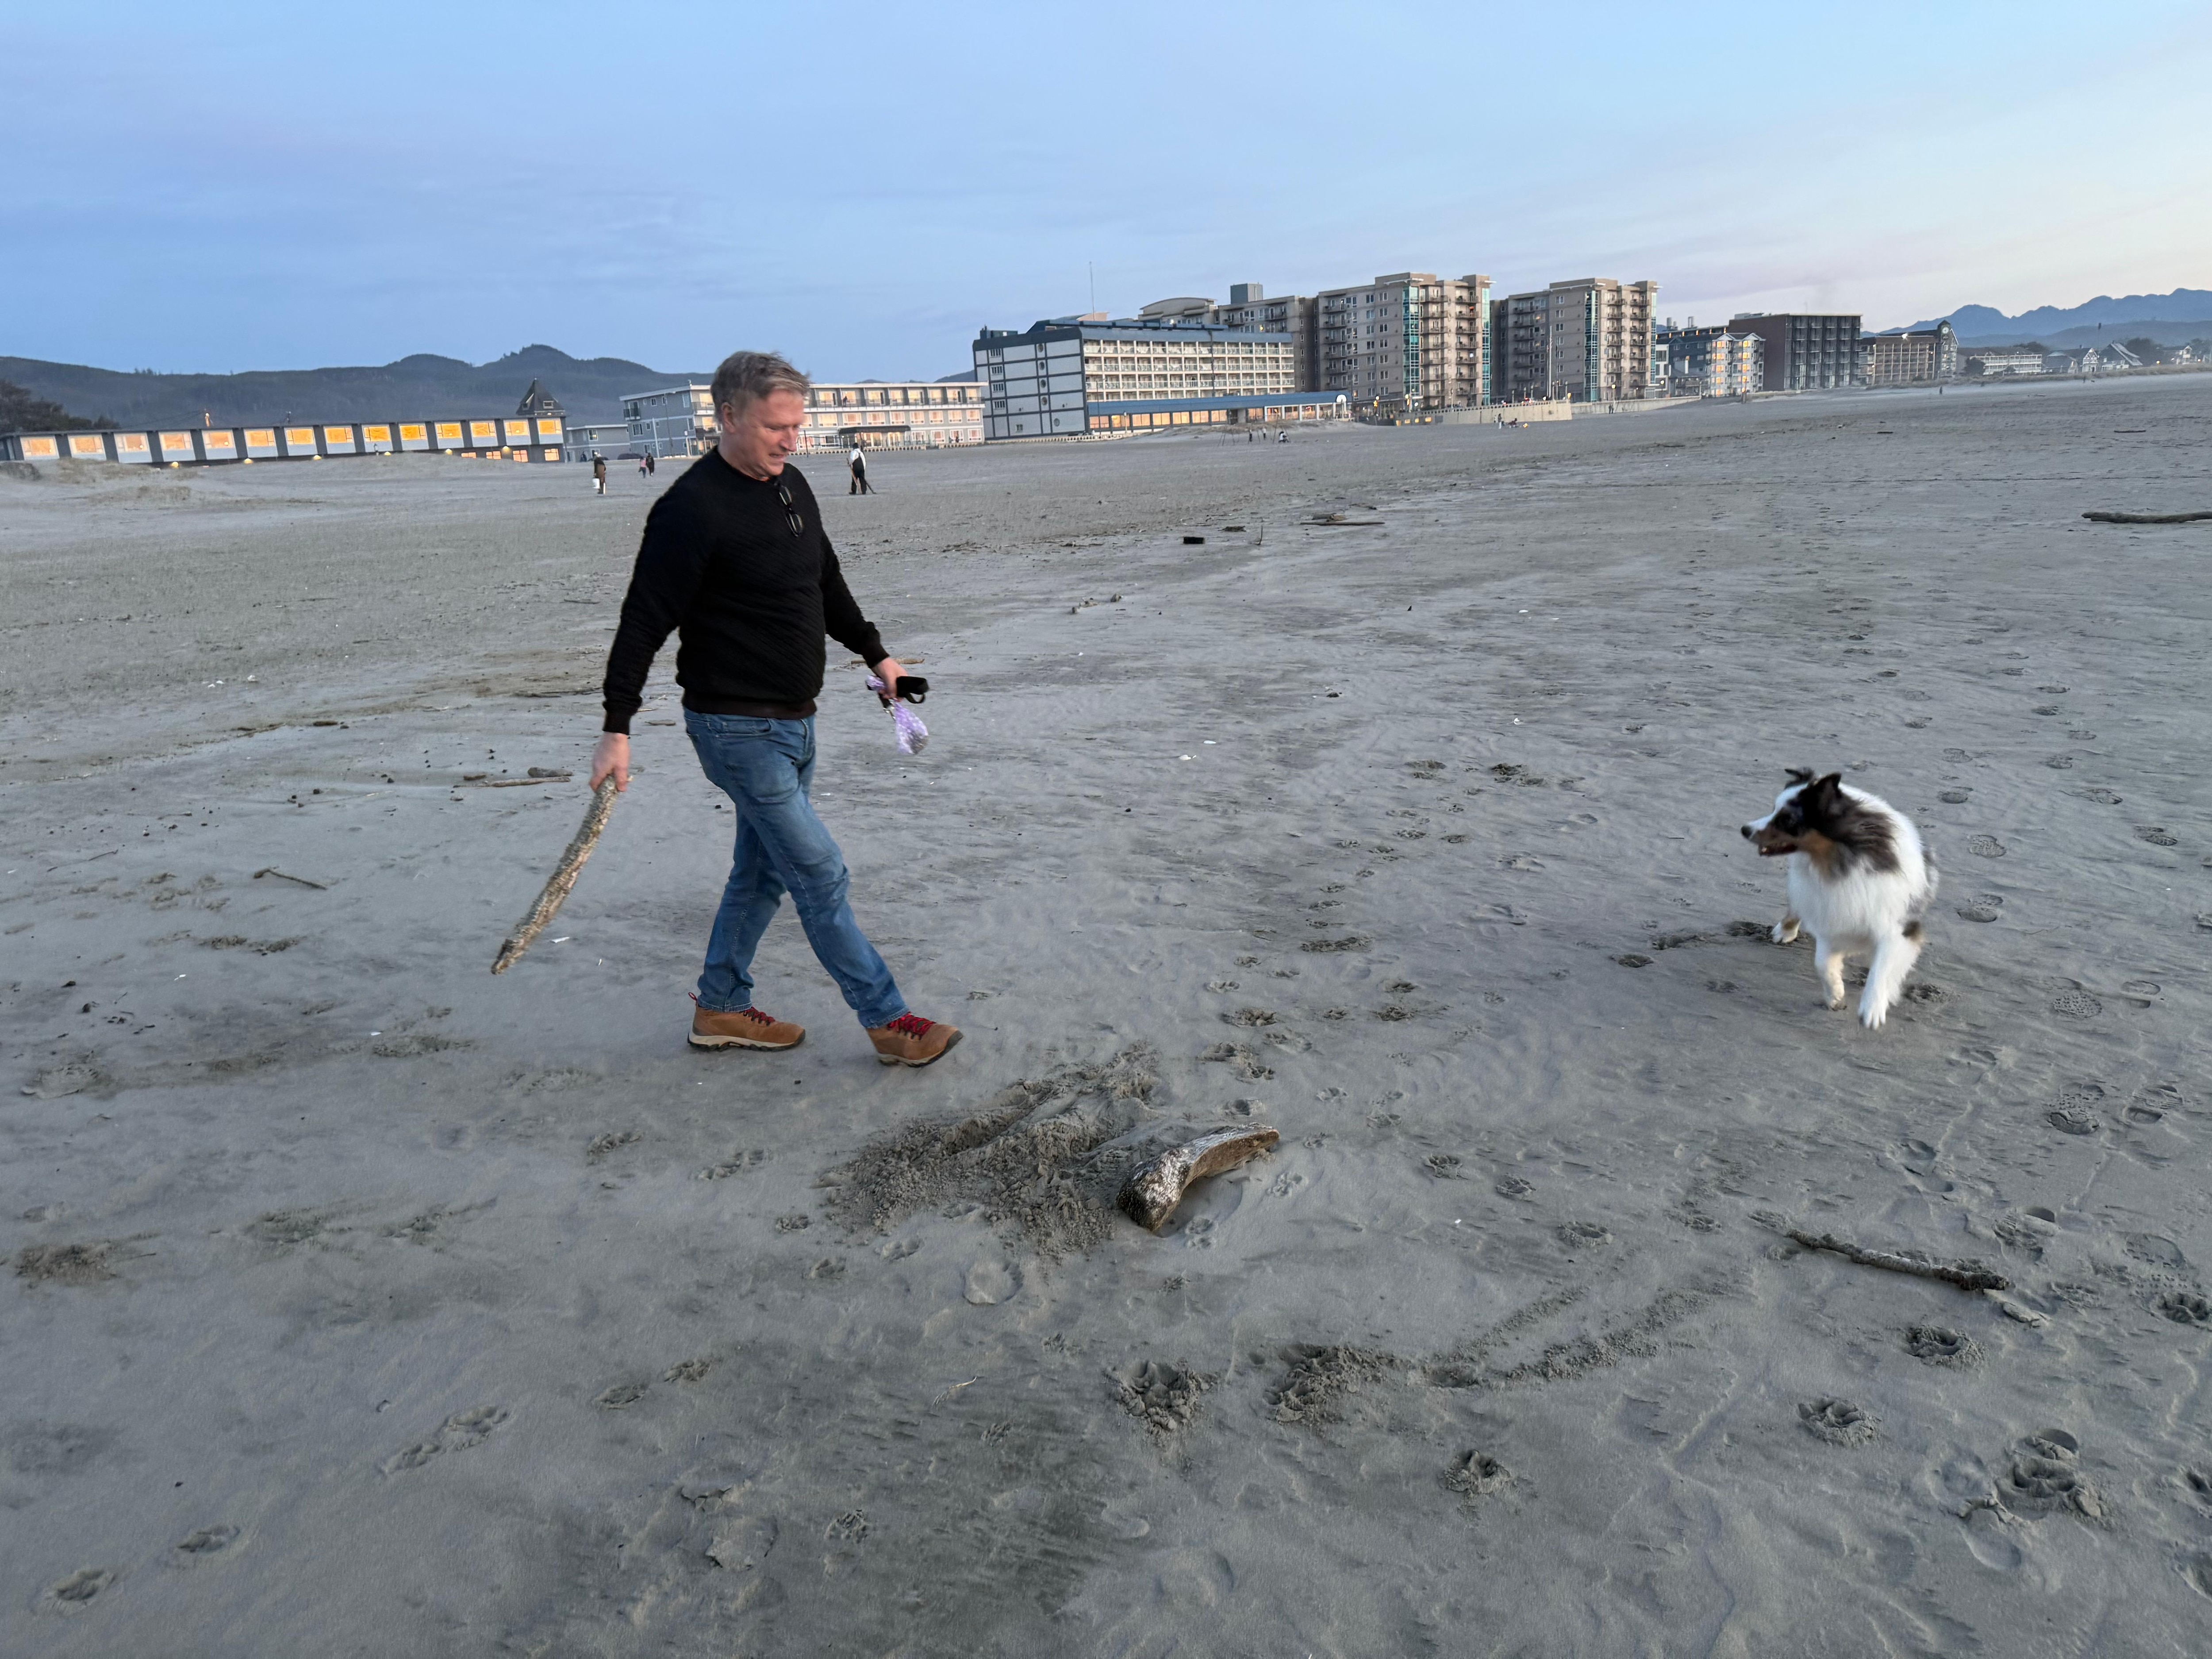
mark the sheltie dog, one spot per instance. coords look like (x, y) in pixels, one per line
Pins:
(1859, 882)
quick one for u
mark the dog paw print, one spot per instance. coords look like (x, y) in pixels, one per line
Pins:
(1986, 847)
(2046, 1476)
(1939, 1344)
(2157, 834)
(2186, 1308)
(1838, 1422)
(1476, 1475)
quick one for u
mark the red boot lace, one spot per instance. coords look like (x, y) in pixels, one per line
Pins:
(756, 1014)
(909, 1025)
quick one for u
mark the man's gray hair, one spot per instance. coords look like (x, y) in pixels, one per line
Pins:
(746, 375)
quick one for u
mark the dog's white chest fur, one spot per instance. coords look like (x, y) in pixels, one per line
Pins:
(1857, 909)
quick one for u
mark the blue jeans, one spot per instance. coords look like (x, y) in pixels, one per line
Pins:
(765, 767)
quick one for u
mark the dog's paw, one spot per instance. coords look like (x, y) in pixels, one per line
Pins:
(1784, 933)
(1872, 1015)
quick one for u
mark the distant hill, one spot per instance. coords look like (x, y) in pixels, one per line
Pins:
(2189, 309)
(590, 389)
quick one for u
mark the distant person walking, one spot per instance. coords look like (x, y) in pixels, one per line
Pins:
(650, 469)
(857, 461)
(599, 474)
(735, 558)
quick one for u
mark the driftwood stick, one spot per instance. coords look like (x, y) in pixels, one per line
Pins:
(301, 880)
(2146, 518)
(561, 880)
(1967, 1275)
(1153, 1189)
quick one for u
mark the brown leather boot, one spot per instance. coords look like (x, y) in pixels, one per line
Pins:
(910, 1040)
(743, 1028)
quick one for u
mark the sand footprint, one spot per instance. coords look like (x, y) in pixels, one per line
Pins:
(1476, 1475)
(204, 1545)
(1162, 1397)
(1939, 1344)
(458, 1432)
(2045, 1476)
(76, 1593)
(1838, 1422)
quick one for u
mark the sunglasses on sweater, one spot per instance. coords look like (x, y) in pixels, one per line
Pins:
(790, 510)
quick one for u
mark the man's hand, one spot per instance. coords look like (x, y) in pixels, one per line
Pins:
(888, 672)
(611, 757)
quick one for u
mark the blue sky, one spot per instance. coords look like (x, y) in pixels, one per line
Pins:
(225, 186)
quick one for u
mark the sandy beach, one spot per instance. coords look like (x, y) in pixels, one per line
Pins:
(361, 1303)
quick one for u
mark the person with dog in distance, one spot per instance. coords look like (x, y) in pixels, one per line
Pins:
(735, 559)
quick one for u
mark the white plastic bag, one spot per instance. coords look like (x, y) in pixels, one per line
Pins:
(906, 728)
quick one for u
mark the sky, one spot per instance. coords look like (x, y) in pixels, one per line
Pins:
(231, 185)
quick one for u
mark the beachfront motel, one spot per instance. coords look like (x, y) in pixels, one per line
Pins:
(1070, 376)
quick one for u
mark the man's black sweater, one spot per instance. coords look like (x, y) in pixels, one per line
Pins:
(720, 561)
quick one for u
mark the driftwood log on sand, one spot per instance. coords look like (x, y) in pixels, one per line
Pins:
(2146, 518)
(562, 878)
(1153, 1189)
(1967, 1275)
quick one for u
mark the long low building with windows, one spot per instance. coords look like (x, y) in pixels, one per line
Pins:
(514, 438)
(894, 414)
(678, 420)
(1072, 376)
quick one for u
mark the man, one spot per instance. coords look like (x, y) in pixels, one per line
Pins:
(600, 473)
(858, 460)
(734, 556)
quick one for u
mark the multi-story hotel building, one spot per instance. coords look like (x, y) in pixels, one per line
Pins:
(679, 421)
(1296, 315)
(1910, 359)
(1071, 375)
(894, 414)
(1411, 340)
(1806, 351)
(1707, 363)
(2006, 362)
(674, 422)
(1588, 340)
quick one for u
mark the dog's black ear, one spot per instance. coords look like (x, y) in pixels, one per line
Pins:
(1801, 774)
(1828, 788)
